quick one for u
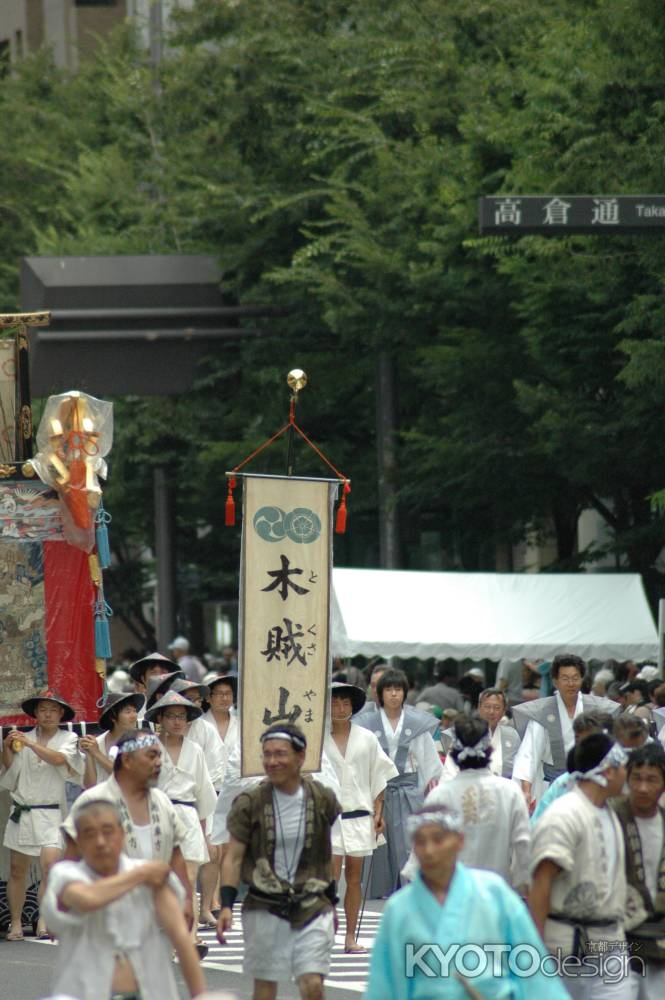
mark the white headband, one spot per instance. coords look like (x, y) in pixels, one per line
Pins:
(449, 820)
(616, 756)
(478, 749)
(298, 742)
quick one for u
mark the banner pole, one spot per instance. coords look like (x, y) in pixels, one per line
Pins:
(296, 380)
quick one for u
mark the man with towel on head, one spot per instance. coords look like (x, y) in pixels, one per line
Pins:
(280, 846)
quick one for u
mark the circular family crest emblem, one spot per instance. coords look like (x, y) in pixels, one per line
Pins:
(302, 525)
(269, 524)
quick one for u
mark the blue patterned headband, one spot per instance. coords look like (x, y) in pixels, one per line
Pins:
(616, 756)
(138, 743)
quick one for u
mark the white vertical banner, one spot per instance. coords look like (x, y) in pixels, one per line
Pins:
(285, 579)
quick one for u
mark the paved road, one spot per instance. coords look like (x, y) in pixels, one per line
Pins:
(27, 967)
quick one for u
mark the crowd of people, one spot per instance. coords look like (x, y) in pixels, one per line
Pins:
(519, 841)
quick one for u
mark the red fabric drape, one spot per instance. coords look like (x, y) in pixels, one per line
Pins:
(69, 627)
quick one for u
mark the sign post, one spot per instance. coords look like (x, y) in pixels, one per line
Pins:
(559, 214)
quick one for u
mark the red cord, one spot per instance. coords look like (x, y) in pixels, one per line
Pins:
(340, 526)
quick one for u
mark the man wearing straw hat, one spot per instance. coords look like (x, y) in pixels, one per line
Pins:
(184, 776)
(205, 734)
(119, 715)
(36, 766)
(363, 770)
(198, 729)
(152, 665)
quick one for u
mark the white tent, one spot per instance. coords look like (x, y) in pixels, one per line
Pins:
(477, 615)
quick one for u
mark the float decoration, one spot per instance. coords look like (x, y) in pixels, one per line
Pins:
(75, 434)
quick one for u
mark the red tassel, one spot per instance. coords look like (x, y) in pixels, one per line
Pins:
(230, 510)
(340, 524)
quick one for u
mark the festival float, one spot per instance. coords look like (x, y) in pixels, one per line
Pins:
(54, 634)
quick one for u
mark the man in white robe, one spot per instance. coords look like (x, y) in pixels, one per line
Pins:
(36, 766)
(199, 730)
(222, 715)
(116, 918)
(363, 771)
(497, 835)
(153, 829)
(185, 778)
(578, 890)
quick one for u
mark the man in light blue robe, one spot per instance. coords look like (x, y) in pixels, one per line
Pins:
(457, 932)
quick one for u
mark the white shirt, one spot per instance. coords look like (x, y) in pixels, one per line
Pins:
(207, 736)
(87, 942)
(289, 832)
(651, 837)
(143, 836)
(497, 833)
(31, 779)
(363, 773)
(101, 774)
(229, 741)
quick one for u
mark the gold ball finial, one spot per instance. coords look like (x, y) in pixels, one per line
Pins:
(296, 379)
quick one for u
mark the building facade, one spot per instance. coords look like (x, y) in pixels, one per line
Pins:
(73, 28)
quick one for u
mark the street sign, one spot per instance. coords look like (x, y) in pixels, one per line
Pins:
(555, 215)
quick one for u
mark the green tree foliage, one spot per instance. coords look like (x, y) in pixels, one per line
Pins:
(331, 154)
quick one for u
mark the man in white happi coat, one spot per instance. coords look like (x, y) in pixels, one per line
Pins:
(642, 820)
(363, 770)
(117, 918)
(119, 715)
(153, 829)
(184, 777)
(505, 738)
(546, 726)
(205, 733)
(497, 835)
(222, 715)
(36, 766)
(578, 889)
(199, 730)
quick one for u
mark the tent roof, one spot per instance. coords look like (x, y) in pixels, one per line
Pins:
(477, 615)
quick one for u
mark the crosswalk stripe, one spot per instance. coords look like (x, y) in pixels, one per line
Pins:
(349, 971)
